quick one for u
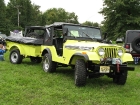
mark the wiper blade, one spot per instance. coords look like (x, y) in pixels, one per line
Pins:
(89, 36)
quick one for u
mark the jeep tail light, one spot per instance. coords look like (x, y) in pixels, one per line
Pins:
(127, 46)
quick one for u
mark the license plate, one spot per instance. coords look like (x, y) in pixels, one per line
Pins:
(104, 69)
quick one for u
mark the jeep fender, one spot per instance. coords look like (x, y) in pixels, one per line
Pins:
(127, 57)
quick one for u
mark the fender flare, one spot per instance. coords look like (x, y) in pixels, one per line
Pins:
(82, 55)
(47, 50)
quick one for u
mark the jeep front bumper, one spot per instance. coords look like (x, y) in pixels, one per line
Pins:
(111, 68)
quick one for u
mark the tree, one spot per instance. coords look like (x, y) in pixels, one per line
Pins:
(2, 17)
(88, 23)
(72, 18)
(59, 15)
(120, 15)
(29, 13)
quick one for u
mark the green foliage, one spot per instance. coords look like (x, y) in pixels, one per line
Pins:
(88, 23)
(2, 16)
(120, 15)
(59, 15)
(29, 13)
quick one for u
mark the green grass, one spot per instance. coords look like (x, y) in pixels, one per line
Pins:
(28, 84)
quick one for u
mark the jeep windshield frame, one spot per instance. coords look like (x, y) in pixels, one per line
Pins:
(83, 32)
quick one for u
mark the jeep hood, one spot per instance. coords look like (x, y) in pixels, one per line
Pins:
(89, 44)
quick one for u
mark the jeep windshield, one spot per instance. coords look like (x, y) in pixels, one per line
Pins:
(83, 32)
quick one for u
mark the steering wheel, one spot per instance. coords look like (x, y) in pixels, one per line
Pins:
(32, 35)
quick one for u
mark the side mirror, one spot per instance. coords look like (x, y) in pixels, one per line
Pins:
(65, 31)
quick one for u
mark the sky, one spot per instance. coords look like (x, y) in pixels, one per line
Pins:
(86, 10)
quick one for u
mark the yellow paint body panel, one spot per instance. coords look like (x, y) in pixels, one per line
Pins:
(69, 56)
(127, 57)
(55, 57)
(25, 50)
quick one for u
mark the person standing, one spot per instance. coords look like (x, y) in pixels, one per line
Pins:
(2, 51)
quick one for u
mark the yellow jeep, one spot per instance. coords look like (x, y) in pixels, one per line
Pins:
(81, 47)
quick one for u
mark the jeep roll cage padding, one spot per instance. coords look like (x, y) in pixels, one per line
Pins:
(135, 44)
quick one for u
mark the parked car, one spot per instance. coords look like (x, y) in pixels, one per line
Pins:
(132, 44)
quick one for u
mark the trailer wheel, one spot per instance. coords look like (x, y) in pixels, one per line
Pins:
(15, 57)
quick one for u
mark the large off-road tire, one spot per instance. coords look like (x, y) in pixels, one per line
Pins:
(48, 64)
(36, 59)
(15, 57)
(120, 78)
(136, 44)
(80, 73)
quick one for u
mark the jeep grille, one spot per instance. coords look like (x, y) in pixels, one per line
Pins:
(110, 52)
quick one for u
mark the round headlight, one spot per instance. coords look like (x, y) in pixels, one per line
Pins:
(101, 51)
(120, 52)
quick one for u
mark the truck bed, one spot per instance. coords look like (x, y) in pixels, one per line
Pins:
(26, 45)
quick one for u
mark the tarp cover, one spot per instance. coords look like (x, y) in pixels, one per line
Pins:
(25, 40)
